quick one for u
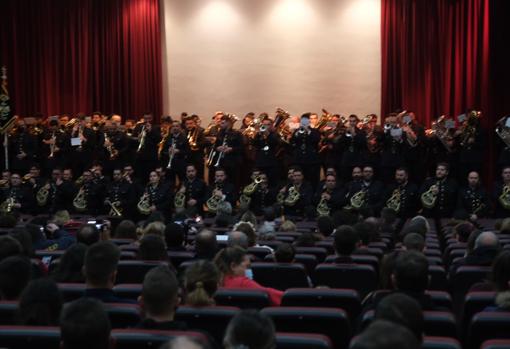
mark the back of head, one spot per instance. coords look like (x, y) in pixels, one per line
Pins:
(201, 282)
(40, 303)
(505, 226)
(250, 329)
(247, 228)
(416, 227)
(205, 243)
(462, 231)
(472, 239)
(101, 262)
(174, 235)
(84, 324)
(269, 214)
(500, 275)
(61, 217)
(414, 242)
(224, 208)
(88, 234)
(159, 291)
(346, 240)
(222, 220)
(70, 265)
(126, 229)
(9, 246)
(325, 225)
(487, 239)
(15, 273)
(383, 334)
(25, 239)
(183, 342)
(155, 228)
(421, 221)
(366, 232)
(238, 238)
(228, 256)
(411, 272)
(402, 310)
(152, 248)
(344, 217)
(249, 217)
(287, 226)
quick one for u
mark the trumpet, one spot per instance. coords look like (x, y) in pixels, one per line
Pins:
(111, 149)
(142, 136)
(171, 154)
(192, 139)
(53, 141)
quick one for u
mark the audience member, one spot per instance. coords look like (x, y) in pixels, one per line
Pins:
(174, 237)
(87, 234)
(57, 239)
(248, 230)
(383, 334)
(183, 342)
(250, 329)
(206, 245)
(152, 248)
(486, 248)
(325, 227)
(414, 242)
(268, 225)
(201, 282)
(345, 243)
(287, 226)
(238, 238)
(154, 228)
(285, 253)
(9, 246)
(126, 229)
(15, 273)
(40, 303)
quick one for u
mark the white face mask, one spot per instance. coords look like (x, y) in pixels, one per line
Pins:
(248, 273)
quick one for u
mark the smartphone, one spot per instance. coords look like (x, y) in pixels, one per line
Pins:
(46, 260)
(221, 237)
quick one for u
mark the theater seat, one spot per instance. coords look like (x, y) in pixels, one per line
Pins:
(178, 257)
(130, 291)
(437, 276)
(439, 298)
(318, 252)
(462, 280)
(150, 339)
(280, 275)
(309, 261)
(8, 311)
(259, 252)
(475, 302)
(123, 315)
(24, 337)
(361, 278)
(487, 325)
(286, 340)
(345, 299)
(133, 272)
(331, 322)
(213, 319)
(430, 342)
(358, 259)
(496, 344)
(242, 298)
(71, 291)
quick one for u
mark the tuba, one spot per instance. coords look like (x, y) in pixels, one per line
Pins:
(79, 201)
(144, 205)
(504, 198)
(214, 201)
(428, 198)
(42, 195)
(503, 131)
(394, 201)
(469, 130)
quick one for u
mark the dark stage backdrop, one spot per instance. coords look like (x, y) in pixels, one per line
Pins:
(69, 56)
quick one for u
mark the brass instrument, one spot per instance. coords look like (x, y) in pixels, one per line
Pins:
(214, 201)
(429, 198)
(504, 198)
(324, 119)
(394, 201)
(144, 205)
(280, 125)
(111, 149)
(42, 195)
(53, 144)
(469, 130)
(214, 154)
(253, 127)
(7, 205)
(248, 191)
(142, 136)
(26, 178)
(358, 199)
(323, 208)
(79, 181)
(80, 201)
(439, 129)
(180, 198)
(161, 143)
(192, 139)
(71, 123)
(293, 196)
(503, 131)
(171, 154)
(115, 209)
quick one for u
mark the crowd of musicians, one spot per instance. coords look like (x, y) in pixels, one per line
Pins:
(102, 165)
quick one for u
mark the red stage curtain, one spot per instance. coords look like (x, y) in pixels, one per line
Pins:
(69, 56)
(435, 57)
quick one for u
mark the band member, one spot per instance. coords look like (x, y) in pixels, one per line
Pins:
(55, 147)
(351, 144)
(228, 149)
(296, 197)
(83, 153)
(266, 142)
(174, 154)
(86, 200)
(148, 137)
(394, 144)
(114, 142)
(329, 133)
(55, 195)
(194, 190)
(375, 136)
(263, 196)
(402, 195)
(501, 195)
(331, 196)
(441, 145)
(33, 178)
(366, 194)
(473, 198)
(471, 143)
(222, 190)
(439, 194)
(415, 151)
(156, 196)
(16, 197)
(22, 147)
(197, 143)
(305, 143)
(120, 196)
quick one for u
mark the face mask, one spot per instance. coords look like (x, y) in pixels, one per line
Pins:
(249, 274)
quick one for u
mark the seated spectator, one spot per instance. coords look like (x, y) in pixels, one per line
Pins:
(414, 242)
(152, 248)
(126, 230)
(9, 246)
(505, 227)
(174, 237)
(84, 324)
(25, 240)
(222, 221)
(183, 342)
(70, 266)
(383, 334)
(367, 233)
(485, 250)
(154, 228)
(499, 282)
(346, 242)
(40, 303)
(238, 238)
(388, 223)
(57, 239)
(287, 226)
(305, 240)
(247, 228)
(249, 217)
(402, 310)
(201, 282)
(8, 220)
(15, 273)
(268, 224)
(206, 245)
(159, 299)
(285, 253)
(61, 218)
(345, 217)
(233, 263)
(101, 260)
(250, 329)
(462, 231)
(87, 234)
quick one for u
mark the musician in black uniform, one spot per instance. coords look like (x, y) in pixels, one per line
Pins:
(501, 195)
(373, 193)
(60, 194)
(351, 144)
(83, 154)
(406, 192)
(394, 144)
(175, 153)
(471, 143)
(473, 199)
(266, 143)
(120, 194)
(159, 195)
(87, 196)
(197, 143)
(148, 136)
(305, 144)
(222, 188)
(296, 197)
(229, 149)
(22, 147)
(332, 193)
(55, 149)
(438, 195)
(195, 191)
(114, 142)
(22, 197)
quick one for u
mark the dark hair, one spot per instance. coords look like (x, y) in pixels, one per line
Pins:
(88, 234)
(382, 334)
(174, 235)
(225, 257)
(9, 246)
(126, 229)
(101, 262)
(411, 271)
(462, 230)
(472, 240)
(15, 273)
(40, 303)
(443, 164)
(159, 291)
(366, 232)
(69, 268)
(346, 239)
(84, 324)
(414, 241)
(249, 231)
(269, 214)
(344, 217)
(325, 225)
(250, 329)
(401, 309)
(285, 253)
(152, 248)
(305, 240)
(500, 274)
(25, 239)
(201, 282)
(206, 244)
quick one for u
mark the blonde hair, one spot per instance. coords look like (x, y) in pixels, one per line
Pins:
(287, 226)
(201, 282)
(61, 217)
(154, 228)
